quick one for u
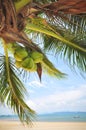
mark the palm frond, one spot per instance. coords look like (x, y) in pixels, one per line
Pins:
(74, 57)
(21, 3)
(74, 29)
(51, 70)
(36, 26)
(73, 24)
(12, 91)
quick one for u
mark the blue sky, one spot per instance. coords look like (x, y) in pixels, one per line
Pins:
(53, 95)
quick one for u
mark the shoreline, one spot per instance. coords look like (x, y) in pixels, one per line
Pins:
(8, 120)
(16, 125)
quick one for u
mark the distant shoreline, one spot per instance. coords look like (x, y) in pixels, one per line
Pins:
(53, 117)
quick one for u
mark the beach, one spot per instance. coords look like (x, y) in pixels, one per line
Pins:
(16, 125)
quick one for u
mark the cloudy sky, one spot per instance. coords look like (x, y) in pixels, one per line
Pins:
(53, 95)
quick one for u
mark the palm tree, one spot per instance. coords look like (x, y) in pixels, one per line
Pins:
(61, 26)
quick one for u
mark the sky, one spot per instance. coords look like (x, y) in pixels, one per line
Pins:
(54, 95)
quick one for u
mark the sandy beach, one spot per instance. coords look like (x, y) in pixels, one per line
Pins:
(15, 125)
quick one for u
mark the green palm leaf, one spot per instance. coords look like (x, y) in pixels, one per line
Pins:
(72, 28)
(19, 4)
(75, 57)
(42, 28)
(12, 90)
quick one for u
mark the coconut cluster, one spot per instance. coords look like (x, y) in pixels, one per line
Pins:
(27, 60)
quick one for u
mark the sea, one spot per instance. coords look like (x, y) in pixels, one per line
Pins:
(53, 117)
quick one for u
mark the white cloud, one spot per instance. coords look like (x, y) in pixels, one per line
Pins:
(36, 84)
(69, 100)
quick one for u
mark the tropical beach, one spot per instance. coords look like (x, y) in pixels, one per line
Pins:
(16, 125)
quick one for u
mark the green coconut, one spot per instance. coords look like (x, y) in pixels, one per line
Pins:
(28, 63)
(34, 68)
(20, 54)
(37, 56)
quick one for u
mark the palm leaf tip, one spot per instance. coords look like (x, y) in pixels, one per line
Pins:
(51, 70)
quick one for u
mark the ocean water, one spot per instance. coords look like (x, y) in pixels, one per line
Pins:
(64, 117)
(54, 117)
